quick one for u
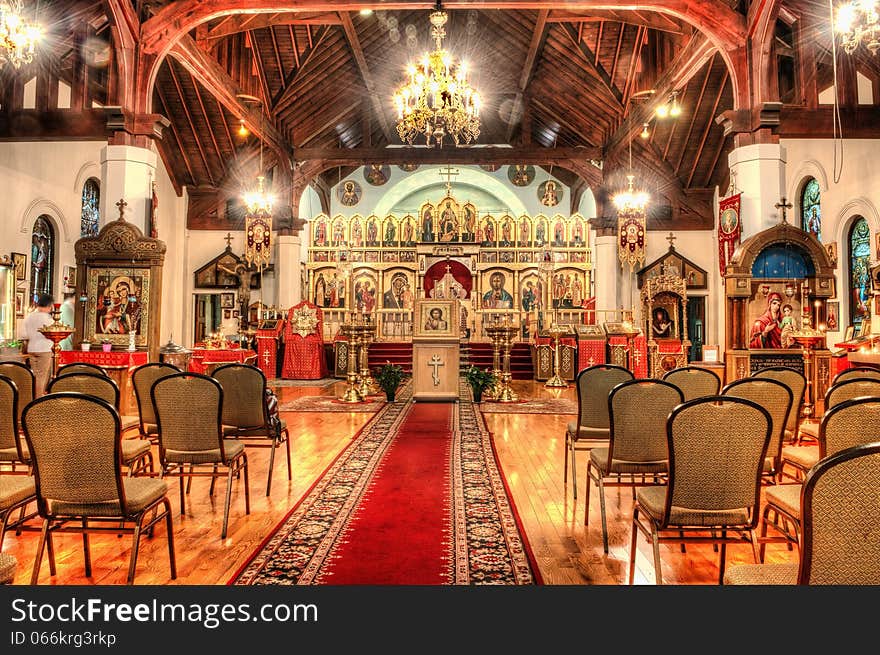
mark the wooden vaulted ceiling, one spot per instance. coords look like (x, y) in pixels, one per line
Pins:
(550, 77)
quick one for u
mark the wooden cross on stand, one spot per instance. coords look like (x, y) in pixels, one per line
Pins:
(783, 205)
(670, 239)
(448, 173)
(122, 205)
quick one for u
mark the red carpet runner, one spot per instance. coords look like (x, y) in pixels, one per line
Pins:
(417, 498)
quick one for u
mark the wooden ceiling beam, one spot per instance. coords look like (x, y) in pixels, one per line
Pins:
(693, 118)
(539, 38)
(707, 128)
(654, 21)
(212, 76)
(466, 155)
(261, 70)
(189, 119)
(354, 44)
(246, 22)
(592, 60)
(724, 24)
(287, 96)
(176, 134)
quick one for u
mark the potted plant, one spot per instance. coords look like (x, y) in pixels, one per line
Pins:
(479, 380)
(85, 346)
(388, 377)
(106, 345)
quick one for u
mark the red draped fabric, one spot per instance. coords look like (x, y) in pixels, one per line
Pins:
(590, 353)
(304, 355)
(638, 353)
(114, 358)
(201, 357)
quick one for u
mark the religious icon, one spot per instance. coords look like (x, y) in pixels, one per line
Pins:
(521, 174)
(491, 168)
(119, 308)
(541, 232)
(448, 223)
(470, 222)
(408, 232)
(729, 220)
(831, 316)
(377, 174)
(661, 325)
(524, 231)
(427, 223)
(357, 233)
(350, 193)
(338, 233)
(390, 232)
(372, 232)
(548, 193)
(559, 233)
(497, 297)
(507, 232)
(393, 298)
(766, 331)
(436, 321)
(320, 290)
(408, 168)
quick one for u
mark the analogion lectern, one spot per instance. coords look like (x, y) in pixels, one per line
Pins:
(435, 350)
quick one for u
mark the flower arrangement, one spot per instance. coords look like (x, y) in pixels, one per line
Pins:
(479, 380)
(388, 377)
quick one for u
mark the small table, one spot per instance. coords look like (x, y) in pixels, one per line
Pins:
(203, 359)
(119, 364)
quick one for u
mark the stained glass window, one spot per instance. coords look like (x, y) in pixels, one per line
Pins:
(42, 257)
(90, 218)
(859, 281)
(811, 213)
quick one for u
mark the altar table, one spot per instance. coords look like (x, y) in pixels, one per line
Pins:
(203, 358)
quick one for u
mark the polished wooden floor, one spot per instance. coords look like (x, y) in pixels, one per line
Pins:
(530, 450)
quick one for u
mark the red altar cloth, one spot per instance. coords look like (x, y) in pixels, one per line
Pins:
(268, 335)
(114, 358)
(638, 353)
(304, 355)
(203, 356)
(590, 353)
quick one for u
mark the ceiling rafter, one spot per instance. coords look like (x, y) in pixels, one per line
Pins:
(707, 127)
(693, 118)
(539, 38)
(176, 134)
(247, 22)
(354, 44)
(287, 95)
(191, 122)
(593, 60)
(654, 21)
(260, 69)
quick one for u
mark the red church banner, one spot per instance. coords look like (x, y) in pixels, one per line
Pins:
(258, 232)
(729, 229)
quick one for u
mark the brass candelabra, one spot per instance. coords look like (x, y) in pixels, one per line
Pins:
(556, 380)
(502, 340)
(352, 393)
(56, 332)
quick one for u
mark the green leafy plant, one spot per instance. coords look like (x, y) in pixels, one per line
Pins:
(479, 379)
(389, 376)
(11, 344)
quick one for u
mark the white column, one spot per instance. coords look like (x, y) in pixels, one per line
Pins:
(606, 271)
(759, 171)
(287, 271)
(127, 172)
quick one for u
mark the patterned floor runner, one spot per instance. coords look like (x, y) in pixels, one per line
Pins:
(538, 406)
(417, 498)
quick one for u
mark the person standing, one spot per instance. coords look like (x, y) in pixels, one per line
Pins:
(39, 347)
(67, 317)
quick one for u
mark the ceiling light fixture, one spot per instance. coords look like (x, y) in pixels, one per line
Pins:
(437, 101)
(18, 38)
(857, 22)
(645, 133)
(243, 131)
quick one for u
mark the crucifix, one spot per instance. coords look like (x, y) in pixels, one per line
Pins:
(448, 173)
(435, 363)
(783, 205)
(670, 239)
(122, 205)
(228, 240)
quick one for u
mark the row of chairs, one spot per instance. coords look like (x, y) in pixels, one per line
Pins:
(199, 423)
(686, 447)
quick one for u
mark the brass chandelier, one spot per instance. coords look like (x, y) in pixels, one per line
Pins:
(857, 22)
(438, 101)
(18, 38)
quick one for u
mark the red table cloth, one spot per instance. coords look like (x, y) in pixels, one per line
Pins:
(304, 343)
(203, 356)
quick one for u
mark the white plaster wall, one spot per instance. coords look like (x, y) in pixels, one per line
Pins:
(854, 190)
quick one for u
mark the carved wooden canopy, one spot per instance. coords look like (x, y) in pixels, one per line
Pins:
(120, 241)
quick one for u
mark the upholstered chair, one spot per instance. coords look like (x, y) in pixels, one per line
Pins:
(857, 372)
(795, 381)
(13, 449)
(638, 411)
(245, 415)
(841, 523)
(717, 446)
(592, 427)
(75, 441)
(142, 379)
(80, 367)
(694, 382)
(24, 381)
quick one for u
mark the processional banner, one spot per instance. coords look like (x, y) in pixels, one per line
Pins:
(258, 231)
(631, 237)
(729, 229)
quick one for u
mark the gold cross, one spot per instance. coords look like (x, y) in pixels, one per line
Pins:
(670, 239)
(448, 173)
(122, 205)
(435, 362)
(783, 205)
(228, 239)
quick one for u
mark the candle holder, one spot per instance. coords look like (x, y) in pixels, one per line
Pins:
(352, 393)
(365, 334)
(556, 380)
(56, 332)
(502, 340)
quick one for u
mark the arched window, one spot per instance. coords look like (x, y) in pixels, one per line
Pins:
(859, 280)
(42, 257)
(90, 218)
(811, 213)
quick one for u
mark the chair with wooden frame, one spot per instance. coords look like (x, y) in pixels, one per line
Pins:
(638, 410)
(75, 442)
(694, 382)
(142, 379)
(80, 367)
(136, 453)
(188, 409)
(24, 381)
(795, 381)
(716, 451)
(8, 565)
(592, 427)
(841, 520)
(776, 398)
(848, 423)
(801, 458)
(245, 415)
